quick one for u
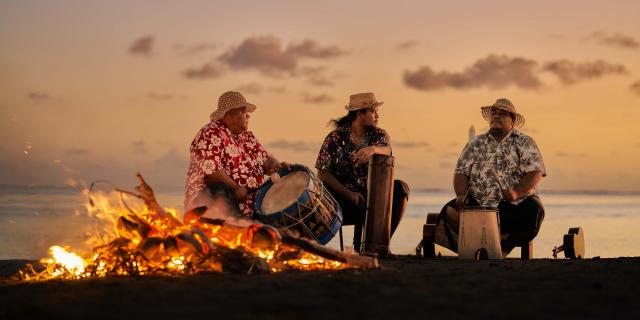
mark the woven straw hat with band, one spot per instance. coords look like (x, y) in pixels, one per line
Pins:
(362, 101)
(228, 101)
(506, 105)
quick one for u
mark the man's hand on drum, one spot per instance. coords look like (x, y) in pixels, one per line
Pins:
(278, 165)
(510, 195)
(364, 155)
(240, 194)
(273, 165)
(357, 199)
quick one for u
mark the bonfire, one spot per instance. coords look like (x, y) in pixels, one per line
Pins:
(154, 241)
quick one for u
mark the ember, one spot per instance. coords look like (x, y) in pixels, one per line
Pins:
(152, 240)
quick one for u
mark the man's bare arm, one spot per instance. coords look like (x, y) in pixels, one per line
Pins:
(526, 185)
(364, 155)
(239, 193)
(332, 182)
(461, 187)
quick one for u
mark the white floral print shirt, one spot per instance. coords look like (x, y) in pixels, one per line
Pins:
(513, 157)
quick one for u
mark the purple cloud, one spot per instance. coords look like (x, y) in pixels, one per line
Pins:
(38, 96)
(493, 72)
(206, 71)
(570, 72)
(142, 46)
(268, 55)
(407, 45)
(616, 40)
(317, 99)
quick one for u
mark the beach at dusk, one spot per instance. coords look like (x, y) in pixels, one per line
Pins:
(261, 127)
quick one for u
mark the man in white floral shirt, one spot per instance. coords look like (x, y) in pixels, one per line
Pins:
(516, 160)
(224, 154)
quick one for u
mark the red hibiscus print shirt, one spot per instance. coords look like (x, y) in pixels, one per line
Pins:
(240, 156)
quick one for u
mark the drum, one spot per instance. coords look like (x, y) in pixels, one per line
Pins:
(377, 224)
(298, 201)
(479, 233)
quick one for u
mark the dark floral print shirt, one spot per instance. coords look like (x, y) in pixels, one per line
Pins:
(513, 157)
(240, 156)
(336, 156)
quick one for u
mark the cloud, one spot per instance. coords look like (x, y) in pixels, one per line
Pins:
(311, 49)
(493, 72)
(195, 48)
(635, 87)
(250, 88)
(206, 71)
(164, 96)
(298, 146)
(38, 96)
(320, 81)
(570, 72)
(268, 55)
(255, 88)
(142, 46)
(616, 40)
(316, 75)
(139, 146)
(317, 99)
(76, 152)
(407, 45)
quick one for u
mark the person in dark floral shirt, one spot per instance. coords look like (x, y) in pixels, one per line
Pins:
(225, 154)
(343, 162)
(500, 168)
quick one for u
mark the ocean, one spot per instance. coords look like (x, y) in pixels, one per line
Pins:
(33, 219)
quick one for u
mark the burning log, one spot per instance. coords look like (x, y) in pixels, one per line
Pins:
(154, 241)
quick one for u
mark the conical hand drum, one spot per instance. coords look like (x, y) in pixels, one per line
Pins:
(298, 201)
(479, 234)
(377, 225)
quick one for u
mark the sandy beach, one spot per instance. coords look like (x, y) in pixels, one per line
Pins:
(405, 286)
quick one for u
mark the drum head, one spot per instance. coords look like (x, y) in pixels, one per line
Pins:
(285, 192)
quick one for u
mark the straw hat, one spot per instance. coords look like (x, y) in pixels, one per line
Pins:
(362, 101)
(228, 101)
(506, 105)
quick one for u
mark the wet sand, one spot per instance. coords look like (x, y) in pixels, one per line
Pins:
(405, 287)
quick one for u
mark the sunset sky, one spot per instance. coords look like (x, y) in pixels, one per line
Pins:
(103, 89)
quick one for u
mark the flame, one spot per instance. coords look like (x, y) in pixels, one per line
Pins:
(69, 262)
(142, 241)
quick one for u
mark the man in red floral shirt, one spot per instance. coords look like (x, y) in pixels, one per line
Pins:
(225, 154)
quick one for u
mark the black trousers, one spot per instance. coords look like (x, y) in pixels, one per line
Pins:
(352, 215)
(522, 221)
